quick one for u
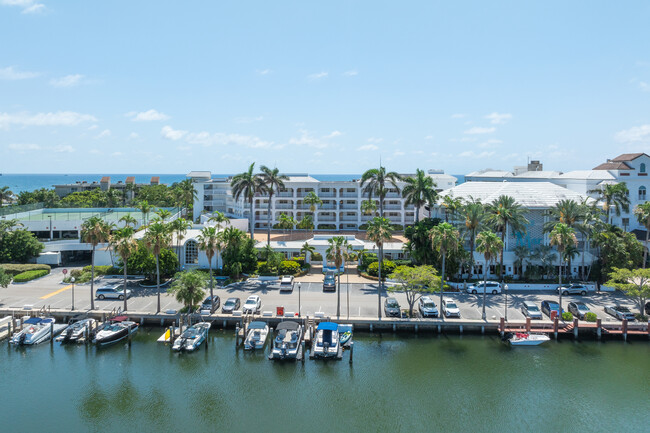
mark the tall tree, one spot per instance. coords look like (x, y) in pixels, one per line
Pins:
(419, 191)
(473, 213)
(566, 211)
(157, 237)
(444, 238)
(488, 244)
(642, 212)
(313, 201)
(634, 283)
(562, 237)
(128, 220)
(613, 195)
(188, 194)
(124, 245)
(163, 214)
(188, 288)
(369, 207)
(273, 181)
(179, 227)
(209, 241)
(146, 209)
(219, 218)
(339, 252)
(377, 181)
(379, 231)
(590, 224)
(452, 205)
(247, 184)
(5, 194)
(503, 213)
(94, 231)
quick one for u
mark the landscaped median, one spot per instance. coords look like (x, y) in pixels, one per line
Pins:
(21, 273)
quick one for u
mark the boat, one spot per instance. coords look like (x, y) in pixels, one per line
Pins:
(114, 330)
(527, 339)
(345, 334)
(257, 333)
(36, 330)
(77, 331)
(192, 337)
(286, 344)
(326, 344)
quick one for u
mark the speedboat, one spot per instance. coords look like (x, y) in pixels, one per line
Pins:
(76, 331)
(327, 344)
(527, 339)
(257, 333)
(286, 344)
(35, 330)
(192, 337)
(117, 329)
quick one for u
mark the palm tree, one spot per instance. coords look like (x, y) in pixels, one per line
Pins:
(313, 201)
(566, 211)
(488, 244)
(188, 193)
(615, 196)
(273, 181)
(157, 238)
(505, 212)
(5, 193)
(145, 208)
(124, 245)
(163, 214)
(209, 240)
(368, 207)
(452, 206)
(419, 191)
(179, 227)
(219, 218)
(375, 181)
(521, 253)
(545, 255)
(379, 231)
(474, 214)
(307, 249)
(128, 220)
(248, 184)
(642, 213)
(338, 251)
(94, 231)
(562, 237)
(188, 288)
(444, 238)
(287, 222)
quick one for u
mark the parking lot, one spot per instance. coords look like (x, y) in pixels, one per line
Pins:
(357, 300)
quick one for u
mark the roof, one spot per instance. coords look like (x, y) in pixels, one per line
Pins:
(155, 179)
(587, 175)
(105, 179)
(490, 173)
(33, 320)
(613, 165)
(130, 179)
(628, 157)
(539, 174)
(528, 194)
(288, 325)
(327, 326)
(301, 178)
(257, 325)
(199, 174)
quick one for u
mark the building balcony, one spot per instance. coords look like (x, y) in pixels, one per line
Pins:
(392, 207)
(303, 193)
(327, 206)
(327, 195)
(349, 194)
(325, 219)
(349, 218)
(284, 194)
(284, 206)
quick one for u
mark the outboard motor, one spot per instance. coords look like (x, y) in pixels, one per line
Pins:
(21, 340)
(507, 336)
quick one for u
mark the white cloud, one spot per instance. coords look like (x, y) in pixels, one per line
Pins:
(318, 75)
(457, 116)
(63, 148)
(479, 130)
(67, 81)
(264, 71)
(429, 137)
(398, 153)
(60, 118)
(249, 119)
(334, 134)
(351, 73)
(499, 118)
(147, 116)
(375, 140)
(306, 139)
(95, 152)
(24, 146)
(636, 134)
(116, 154)
(28, 6)
(172, 134)
(644, 86)
(492, 142)
(104, 133)
(472, 154)
(367, 147)
(10, 73)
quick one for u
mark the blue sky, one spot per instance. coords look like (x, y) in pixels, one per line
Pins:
(321, 87)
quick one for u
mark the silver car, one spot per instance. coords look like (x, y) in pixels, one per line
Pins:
(573, 289)
(529, 309)
(112, 292)
(619, 312)
(427, 307)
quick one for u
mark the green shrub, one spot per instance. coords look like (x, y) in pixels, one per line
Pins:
(326, 226)
(387, 268)
(397, 227)
(15, 269)
(300, 260)
(30, 275)
(103, 270)
(263, 268)
(289, 267)
(363, 226)
(367, 259)
(317, 257)
(641, 317)
(590, 317)
(403, 263)
(567, 316)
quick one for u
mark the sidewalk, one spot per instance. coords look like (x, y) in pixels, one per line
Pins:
(315, 275)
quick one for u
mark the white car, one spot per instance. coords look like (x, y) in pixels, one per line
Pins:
(112, 292)
(252, 305)
(492, 287)
(286, 283)
(427, 307)
(449, 308)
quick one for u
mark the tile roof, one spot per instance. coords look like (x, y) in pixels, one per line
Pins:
(612, 165)
(105, 179)
(130, 179)
(628, 157)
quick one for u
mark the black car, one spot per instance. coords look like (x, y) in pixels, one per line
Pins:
(578, 309)
(207, 305)
(548, 306)
(329, 283)
(647, 307)
(391, 308)
(231, 304)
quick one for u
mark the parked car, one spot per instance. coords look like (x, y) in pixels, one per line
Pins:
(573, 289)
(427, 307)
(492, 287)
(207, 306)
(647, 307)
(449, 308)
(329, 283)
(253, 304)
(529, 309)
(231, 304)
(578, 309)
(391, 308)
(619, 312)
(112, 292)
(548, 306)
(286, 283)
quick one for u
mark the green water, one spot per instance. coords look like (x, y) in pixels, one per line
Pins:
(397, 383)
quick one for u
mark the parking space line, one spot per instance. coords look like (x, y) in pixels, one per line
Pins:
(56, 292)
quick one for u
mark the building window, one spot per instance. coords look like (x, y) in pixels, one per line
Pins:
(642, 168)
(642, 192)
(191, 253)
(626, 222)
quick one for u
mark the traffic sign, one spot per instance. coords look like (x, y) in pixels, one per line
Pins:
(65, 271)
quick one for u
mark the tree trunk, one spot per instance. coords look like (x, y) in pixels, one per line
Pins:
(442, 281)
(560, 279)
(503, 249)
(124, 260)
(158, 279)
(471, 256)
(92, 280)
(379, 282)
(211, 285)
(645, 249)
(268, 220)
(252, 220)
(584, 253)
(487, 266)
(417, 214)
(338, 297)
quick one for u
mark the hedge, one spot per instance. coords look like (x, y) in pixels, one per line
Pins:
(387, 268)
(102, 270)
(15, 269)
(590, 317)
(288, 267)
(30, 275)
(567, 316)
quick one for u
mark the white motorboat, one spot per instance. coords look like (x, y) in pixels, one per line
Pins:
(76, 331)
(286, 344)
(327, 344)
(35, 330)
(117, 329)
(527, 339)
(256, 338)
(192, 337)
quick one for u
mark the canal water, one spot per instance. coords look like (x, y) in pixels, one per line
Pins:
(397, 383)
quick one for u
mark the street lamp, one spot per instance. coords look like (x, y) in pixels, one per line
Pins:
(72, 281)
(50, 217)
(299, 285)
(505, 289)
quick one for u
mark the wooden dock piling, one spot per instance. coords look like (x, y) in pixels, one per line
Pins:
(555, 326)
(575, 328)
(624, 322)
(599, 328)
(527, 324)
(502, 326)
(351, 351)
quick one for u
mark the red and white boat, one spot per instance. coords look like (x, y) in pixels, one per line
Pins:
(527, 339)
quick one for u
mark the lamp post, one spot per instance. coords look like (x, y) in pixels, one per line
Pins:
(50, 217)
(299, 285)
(72, 281)
(505, 289)
(347, 285)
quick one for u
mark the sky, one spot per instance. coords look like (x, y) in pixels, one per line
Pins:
(320, 87)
